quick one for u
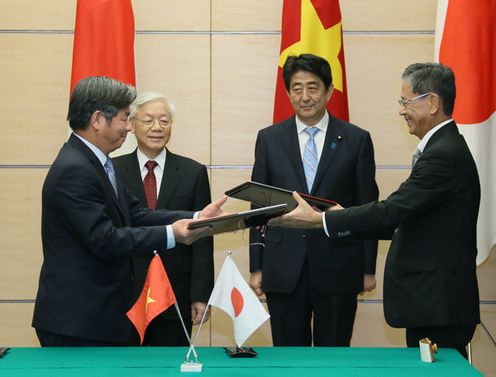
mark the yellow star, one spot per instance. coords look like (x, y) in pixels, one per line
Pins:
(149, 300)
(314, 39)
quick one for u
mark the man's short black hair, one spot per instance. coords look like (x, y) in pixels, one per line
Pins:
(308, 63)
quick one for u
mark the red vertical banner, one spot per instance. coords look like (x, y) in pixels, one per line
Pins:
(471, 29)
(466, 39)
(104, 41)
(313, 27)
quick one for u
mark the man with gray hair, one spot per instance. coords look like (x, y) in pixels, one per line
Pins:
(162, 179)
(91, 226)
(430, 281)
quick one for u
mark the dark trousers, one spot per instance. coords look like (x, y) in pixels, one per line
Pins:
(167, 332)
(456, 337)
(48, 339)
(292, 315)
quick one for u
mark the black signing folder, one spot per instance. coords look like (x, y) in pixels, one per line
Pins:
(3, 351)
(262, 195)
(240, 220)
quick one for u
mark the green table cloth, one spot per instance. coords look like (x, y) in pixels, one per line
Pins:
(271, 361)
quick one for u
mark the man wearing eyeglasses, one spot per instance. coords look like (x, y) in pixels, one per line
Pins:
(161, 179)
(430, 283)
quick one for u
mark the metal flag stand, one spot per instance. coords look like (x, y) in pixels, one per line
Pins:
(190, 365)
(195, 365)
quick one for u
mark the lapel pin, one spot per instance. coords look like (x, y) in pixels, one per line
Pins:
(333, 145)
(340, 138)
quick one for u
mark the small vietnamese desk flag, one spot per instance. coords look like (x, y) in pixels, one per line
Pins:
(232, 294)
(157, 295)
(466, 42)
(313, 27)
(103, 41)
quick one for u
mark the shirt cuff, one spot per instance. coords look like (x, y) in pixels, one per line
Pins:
(171, 241)
(196, 215)
(325, 224)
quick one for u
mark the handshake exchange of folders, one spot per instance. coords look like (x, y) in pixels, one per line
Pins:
(275, 206)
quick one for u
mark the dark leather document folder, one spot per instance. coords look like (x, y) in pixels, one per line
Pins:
(240, 220)
(265, 195)
(3, 351)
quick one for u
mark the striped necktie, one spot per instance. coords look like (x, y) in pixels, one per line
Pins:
(310, 158)
(415, 156)
(109, 169)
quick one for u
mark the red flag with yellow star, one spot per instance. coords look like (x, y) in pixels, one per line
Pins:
(313, 27)
(157, 296)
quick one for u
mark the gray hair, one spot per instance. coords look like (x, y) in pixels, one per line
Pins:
(432, 77)
(98, 93)
(151, 96)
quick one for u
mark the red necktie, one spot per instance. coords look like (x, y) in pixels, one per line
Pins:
(150, 185)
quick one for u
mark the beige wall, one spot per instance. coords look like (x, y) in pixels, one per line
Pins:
(217, 61)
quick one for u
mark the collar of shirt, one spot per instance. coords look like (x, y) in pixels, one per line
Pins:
(319, 137)
(102, 157)
(143, 159)
(428, 135)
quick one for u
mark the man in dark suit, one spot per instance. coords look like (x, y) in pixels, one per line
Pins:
(305, 276)
(181, 184)
(91, 226)
(430, 282)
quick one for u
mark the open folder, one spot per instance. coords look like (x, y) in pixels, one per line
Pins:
(240, 220)
(265, 195)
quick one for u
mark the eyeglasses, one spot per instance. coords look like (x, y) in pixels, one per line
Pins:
(405, 102)
(164, 123)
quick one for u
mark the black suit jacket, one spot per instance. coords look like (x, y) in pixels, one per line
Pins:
(346, 174)
(184, 186)
(89, 235)
(430, 274)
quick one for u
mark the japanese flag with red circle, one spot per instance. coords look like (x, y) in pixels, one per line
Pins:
(232, 294)
(466, 42)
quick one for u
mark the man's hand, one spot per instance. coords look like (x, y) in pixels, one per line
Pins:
(213, 209)
(187, 236)
(256, 283)
(197, 310)
(303, 216)
(369, 282)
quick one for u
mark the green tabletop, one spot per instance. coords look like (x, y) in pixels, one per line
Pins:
(279, 361)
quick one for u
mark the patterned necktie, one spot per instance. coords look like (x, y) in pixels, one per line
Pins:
(415, 157)
(310, 158)
(109, 169)
(150, 185)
